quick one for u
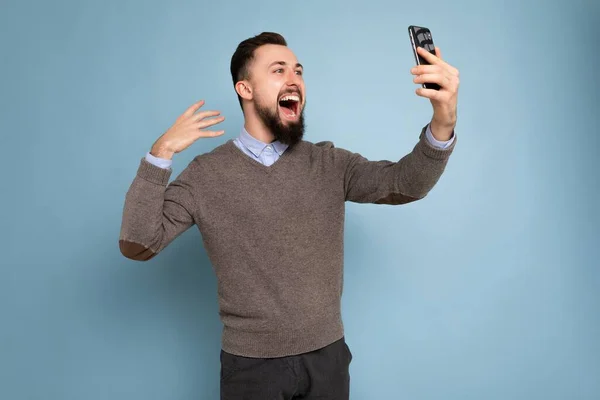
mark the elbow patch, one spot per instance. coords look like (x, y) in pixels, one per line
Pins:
(135, 251)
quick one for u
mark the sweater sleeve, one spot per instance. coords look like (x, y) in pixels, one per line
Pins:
(404, 181)
(155, 212)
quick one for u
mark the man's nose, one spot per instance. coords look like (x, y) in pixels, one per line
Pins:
(293, 80)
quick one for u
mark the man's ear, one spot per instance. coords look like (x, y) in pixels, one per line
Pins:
(244, 90)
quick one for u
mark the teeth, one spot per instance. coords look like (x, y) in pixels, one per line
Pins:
(290, 98)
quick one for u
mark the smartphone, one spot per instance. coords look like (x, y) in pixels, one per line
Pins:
(421, 37)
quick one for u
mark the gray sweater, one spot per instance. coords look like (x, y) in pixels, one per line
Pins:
(274, 234)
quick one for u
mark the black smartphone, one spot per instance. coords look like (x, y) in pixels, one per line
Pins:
(421, 37)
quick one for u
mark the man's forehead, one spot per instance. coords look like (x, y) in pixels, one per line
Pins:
(268, 54)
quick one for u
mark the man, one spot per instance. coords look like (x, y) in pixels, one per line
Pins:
(270, 208)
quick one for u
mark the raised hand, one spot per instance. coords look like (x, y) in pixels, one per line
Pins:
(188, 127)
(444, 101)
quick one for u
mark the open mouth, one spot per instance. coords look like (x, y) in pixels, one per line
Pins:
(289, 105)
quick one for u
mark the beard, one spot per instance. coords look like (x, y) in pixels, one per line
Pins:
(289, 133)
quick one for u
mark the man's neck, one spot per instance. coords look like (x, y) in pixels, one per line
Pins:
(255, 127)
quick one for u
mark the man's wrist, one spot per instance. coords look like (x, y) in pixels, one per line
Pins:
(160, 150)
(441, 132)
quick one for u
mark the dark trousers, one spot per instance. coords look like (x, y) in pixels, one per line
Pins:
(321, 374)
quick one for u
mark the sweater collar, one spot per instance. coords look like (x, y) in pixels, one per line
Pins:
(256, 146)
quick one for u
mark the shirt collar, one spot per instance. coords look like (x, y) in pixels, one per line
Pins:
(256, 146)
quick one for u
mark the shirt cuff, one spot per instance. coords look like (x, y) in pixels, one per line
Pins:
(438, 143)
(159, 162)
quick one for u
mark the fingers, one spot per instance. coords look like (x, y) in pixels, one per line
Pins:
(440, 79)
(198, 122)
(208, 134)
(426, 69)
(190, 114)
(441, 73)
(433, 69)
(205, 114)
(430, 58)
(211, 133)
(192, 109)
(434, 74)
(436, 60)
(438, 95)
(205, 123)
(431, 94)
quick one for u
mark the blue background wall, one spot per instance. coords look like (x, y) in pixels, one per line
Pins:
(487, 289)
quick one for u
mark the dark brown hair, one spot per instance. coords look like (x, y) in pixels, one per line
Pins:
(244, 54)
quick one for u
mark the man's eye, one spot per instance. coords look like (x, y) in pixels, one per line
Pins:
(299, 72)
(279, 70)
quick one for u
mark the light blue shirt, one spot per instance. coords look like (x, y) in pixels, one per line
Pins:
(268, 153)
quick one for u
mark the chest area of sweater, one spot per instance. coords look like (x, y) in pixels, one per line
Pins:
(259, 196)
